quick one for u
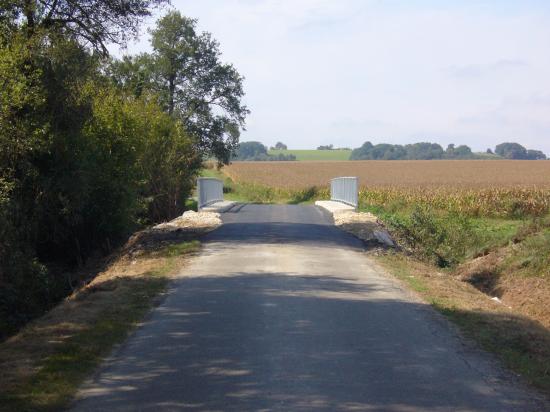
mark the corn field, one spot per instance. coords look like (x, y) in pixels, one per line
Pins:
(483, 188)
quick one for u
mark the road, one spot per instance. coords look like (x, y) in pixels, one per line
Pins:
(282, 311)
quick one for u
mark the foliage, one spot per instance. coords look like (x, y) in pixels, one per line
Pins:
(280, 146)
(459, 152)
(326, 147)
(443, 239)
(517, 151)
(256, 151)
(192, 83)
(249, 150)
(91, 22)
(83, 161)
(428, 151)
(61, 350)
(416, 151)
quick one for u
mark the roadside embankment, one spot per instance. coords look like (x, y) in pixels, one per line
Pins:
(365, 226)
(43, 365)
(521, 341)
(498, 299)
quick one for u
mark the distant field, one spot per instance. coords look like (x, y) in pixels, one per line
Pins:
(405, 174)
(315, 154)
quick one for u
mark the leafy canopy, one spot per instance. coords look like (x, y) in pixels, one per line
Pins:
(192, 83)
(92, 22)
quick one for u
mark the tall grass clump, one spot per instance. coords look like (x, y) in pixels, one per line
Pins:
(442, 239)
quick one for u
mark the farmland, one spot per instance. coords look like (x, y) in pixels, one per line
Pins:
(313, 155)
(402, 174)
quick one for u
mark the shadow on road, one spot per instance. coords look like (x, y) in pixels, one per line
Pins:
(286, 342)
(309, 234)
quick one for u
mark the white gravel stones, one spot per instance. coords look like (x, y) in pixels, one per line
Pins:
(365, 226)
(192, 219)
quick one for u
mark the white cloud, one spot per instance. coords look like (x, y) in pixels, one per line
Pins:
(324, 71)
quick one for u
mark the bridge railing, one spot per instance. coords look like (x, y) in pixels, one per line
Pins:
(209, 190)
(345, 190)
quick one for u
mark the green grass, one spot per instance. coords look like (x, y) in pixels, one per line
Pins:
(445, 238)
(490, 233)
(54, 384)
(191, 204)
(178, 249)
(256, 193)
(531, 257)
(305, 155)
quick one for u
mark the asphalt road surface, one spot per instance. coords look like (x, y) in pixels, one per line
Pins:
(282, 311)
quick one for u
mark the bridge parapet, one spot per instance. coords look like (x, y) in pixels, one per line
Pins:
(345, 190)
(209, 190)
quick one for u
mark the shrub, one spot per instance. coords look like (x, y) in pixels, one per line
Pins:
(443, 240)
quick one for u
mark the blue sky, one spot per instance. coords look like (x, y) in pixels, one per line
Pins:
(342, 72)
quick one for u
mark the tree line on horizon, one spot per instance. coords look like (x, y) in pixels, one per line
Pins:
(93, 147)
(432, 151)
(256, 151)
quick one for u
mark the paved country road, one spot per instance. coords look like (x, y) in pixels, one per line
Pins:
(282, 311)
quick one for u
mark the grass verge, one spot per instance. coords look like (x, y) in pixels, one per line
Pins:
(520, 342)
(256, 193)
(315, 155)
(43, 365)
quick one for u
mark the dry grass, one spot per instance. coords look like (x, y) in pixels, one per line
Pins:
(42, 366)
(468, 174)
(520, 341)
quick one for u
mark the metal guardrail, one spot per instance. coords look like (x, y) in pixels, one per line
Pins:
(344, 189)
(209, 190)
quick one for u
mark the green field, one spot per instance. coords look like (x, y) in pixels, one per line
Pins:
(315, 154)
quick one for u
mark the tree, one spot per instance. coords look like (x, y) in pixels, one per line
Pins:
(326, 147)
(424, 151)
(281, 146)
(91, 22)
(250, 150)
(258, 152)
(132, 73)
(194, 85)
(511, 151)
(381, 151)
(415, 151)
(460, 152)
(535, 155)
(82, 163)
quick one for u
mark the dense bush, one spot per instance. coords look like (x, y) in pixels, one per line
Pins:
(442, 239)
(517, 151)
(81, 165)
(83, 162)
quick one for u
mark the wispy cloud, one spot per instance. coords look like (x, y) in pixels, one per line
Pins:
(480, 70)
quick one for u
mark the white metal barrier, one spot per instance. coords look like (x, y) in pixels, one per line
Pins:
(344, 189)
(209, 190)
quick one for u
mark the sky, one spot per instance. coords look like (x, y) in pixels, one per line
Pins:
(343, 72)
